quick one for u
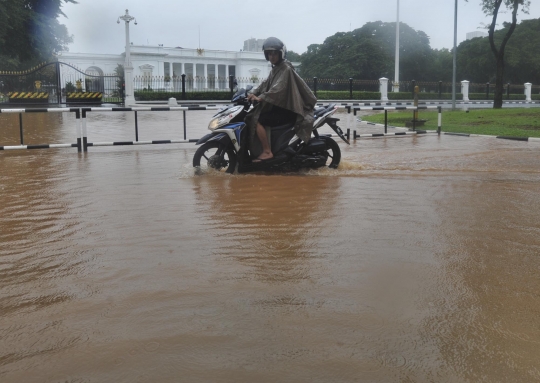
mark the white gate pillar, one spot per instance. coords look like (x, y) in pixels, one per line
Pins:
(383, 88)
(528, 91)
(465, 90)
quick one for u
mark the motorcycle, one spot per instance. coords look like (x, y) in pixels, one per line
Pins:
(226, 146)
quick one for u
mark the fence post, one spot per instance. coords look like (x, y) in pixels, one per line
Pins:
(21, 129)
(58, 84)
(465, 90)
(487, 90)
(183, 86)
(84, 132)
(413, 83)
(185, 129)
(350, 87)
(136, 127)
(415, 113)
(79, 130)
(440, 90)
(439, 124)
(383, 88)
(528, 89)
(315, 86)
(508, 91)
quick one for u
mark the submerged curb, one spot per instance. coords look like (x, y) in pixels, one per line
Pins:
(531, 139)
(418, 131)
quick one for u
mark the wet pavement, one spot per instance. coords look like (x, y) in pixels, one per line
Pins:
(416, 260)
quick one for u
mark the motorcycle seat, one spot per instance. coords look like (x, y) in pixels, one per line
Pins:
(322, 110)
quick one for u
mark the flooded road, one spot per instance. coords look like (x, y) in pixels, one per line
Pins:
(417, 260)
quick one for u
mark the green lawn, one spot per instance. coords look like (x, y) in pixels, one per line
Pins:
(514, 122)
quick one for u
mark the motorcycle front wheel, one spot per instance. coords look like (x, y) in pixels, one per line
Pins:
(334, 152)
(216, 156)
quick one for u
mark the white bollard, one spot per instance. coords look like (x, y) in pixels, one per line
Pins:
(465, 90)
(383, 88)
(528, 91)
(172, 102)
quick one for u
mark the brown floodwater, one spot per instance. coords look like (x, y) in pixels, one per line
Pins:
(418, 260)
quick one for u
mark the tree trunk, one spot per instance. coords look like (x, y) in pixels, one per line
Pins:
(499, 53)
(498, 100)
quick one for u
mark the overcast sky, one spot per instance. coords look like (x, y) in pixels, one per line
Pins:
(225, 24)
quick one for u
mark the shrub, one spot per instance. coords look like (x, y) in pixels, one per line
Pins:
(146, 95)
(70, 87)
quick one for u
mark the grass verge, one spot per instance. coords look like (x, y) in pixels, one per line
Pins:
(514, 122)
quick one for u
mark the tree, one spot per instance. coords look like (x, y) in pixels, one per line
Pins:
(440, 66)
(368, 53)
(293, 56)
(492, 8)
(476, 62)
(30, 32)
(119, 71)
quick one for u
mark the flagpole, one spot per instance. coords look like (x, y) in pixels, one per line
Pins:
(454, 59)
(396, 75)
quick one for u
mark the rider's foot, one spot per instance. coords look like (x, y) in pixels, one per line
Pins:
(264, 157)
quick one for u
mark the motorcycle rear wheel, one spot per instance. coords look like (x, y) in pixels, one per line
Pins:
(334, 152)
(214, 155)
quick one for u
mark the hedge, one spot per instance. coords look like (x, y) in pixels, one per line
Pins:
(164, 96)
(345, 95)
(325, 95)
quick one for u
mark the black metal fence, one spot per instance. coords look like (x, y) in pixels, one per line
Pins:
(218, 84)
(191, 84)
(59, 83)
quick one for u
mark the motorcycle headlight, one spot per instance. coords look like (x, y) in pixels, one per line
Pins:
(224, 118)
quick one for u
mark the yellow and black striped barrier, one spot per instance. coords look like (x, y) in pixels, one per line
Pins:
(28, 97)
(86, 97)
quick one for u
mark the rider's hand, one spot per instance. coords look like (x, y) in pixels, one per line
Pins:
(251, 97)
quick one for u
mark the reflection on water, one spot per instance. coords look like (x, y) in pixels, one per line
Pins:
(417, 260)
(275, 221)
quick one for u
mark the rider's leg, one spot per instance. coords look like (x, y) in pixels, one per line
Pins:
(261, 134)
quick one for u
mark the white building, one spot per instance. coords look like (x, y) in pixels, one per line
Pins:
(151, 61)
(472, 35)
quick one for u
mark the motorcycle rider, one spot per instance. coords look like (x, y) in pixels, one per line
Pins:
(283, 98)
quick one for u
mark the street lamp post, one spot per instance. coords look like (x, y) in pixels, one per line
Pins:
(128, 67)
(396, 75)
(454, 59)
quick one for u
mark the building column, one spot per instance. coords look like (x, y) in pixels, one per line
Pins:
(205, 76)
(195, 82)
(216, 76)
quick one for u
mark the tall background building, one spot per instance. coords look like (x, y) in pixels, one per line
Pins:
(253, 45)
(472, 35)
